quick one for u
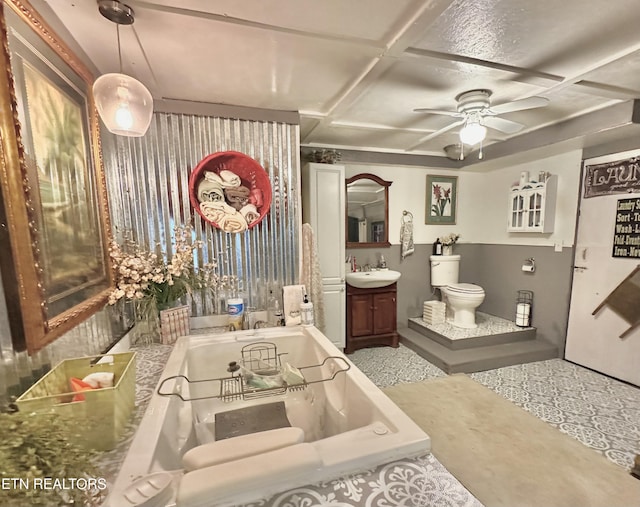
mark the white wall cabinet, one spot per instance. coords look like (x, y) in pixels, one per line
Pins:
(532, 206)
(323, 207)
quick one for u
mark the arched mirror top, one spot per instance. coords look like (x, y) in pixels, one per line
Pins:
(367, 211)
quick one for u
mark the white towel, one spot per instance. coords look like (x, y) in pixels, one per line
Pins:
(292, 296)
(311, 276)
(406, 236)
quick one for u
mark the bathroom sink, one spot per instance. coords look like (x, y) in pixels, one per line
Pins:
(372, 279)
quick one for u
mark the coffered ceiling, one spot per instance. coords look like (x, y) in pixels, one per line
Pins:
(356, 69)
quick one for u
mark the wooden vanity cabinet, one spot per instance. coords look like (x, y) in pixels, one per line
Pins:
(371, 317)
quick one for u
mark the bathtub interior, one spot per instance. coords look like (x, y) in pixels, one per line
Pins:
(322, 409)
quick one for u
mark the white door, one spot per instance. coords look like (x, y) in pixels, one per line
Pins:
(594, 340)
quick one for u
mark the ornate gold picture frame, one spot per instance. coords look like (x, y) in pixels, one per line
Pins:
(54, 218)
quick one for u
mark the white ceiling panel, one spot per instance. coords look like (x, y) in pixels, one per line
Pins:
(356, 70)
(548, 35)
(333, 17)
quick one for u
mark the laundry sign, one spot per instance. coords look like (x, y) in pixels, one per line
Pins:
(626, 237)
(618, 177)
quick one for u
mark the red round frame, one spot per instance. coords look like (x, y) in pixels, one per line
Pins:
(251, 173)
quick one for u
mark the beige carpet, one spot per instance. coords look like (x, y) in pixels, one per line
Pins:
(507, 457)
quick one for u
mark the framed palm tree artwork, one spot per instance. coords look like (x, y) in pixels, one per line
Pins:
(442, 199)
(55, 262)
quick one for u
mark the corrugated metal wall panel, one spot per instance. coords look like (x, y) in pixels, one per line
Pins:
(148, 178)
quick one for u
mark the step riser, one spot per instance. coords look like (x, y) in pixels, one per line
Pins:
(475, 359)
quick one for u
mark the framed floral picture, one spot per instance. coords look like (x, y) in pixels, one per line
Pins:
(442, 200)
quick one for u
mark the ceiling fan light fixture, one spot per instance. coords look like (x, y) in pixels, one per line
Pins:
(473, 133)
(454, 151)
(124, 104)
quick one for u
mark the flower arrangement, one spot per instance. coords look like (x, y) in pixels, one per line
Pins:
(144, 277)
(154, 284)
(449, 239)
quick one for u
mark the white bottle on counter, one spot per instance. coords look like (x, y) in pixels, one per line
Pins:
(306, 312)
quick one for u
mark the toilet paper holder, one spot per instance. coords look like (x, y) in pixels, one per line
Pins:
(529, 265)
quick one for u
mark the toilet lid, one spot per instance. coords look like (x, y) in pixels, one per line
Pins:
(465, 288)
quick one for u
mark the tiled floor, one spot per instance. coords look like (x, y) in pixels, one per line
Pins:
(600, 412)
(487, 325)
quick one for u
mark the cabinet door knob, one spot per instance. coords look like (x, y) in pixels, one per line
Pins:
(393, 299)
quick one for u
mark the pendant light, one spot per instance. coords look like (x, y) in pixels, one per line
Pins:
(124, 103)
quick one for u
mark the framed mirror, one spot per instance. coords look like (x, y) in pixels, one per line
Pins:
(367, 222)
(54, 221)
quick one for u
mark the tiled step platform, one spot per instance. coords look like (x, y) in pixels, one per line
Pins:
(495, 343)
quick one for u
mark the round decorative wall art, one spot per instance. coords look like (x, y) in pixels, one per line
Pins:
(230, 190)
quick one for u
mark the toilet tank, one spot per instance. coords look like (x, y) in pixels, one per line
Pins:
(444, 269)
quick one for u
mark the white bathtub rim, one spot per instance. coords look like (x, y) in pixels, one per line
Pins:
(412, 440)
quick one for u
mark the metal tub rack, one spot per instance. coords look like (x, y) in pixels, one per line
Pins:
(260, 373)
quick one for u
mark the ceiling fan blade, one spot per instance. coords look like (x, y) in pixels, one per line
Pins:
(436, 134)
(455, 114)
(506, 126)
(519, 105)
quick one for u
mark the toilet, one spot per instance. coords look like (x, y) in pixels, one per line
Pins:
(462, 299)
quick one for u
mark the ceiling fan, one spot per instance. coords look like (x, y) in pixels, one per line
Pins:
(475, 114)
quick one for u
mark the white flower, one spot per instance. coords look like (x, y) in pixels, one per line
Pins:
(449, 239)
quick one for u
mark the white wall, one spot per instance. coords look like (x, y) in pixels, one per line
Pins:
(483, 200)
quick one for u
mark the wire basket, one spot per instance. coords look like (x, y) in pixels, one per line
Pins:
(104, 413)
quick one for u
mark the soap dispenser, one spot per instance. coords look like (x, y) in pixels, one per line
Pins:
(306, 312)
(437, 247)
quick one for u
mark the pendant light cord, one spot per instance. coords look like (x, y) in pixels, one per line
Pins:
(119, 51)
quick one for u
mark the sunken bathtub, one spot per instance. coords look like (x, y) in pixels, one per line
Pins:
(242, 415)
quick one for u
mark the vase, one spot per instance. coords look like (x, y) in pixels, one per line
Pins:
(147, 322)
(447, 249)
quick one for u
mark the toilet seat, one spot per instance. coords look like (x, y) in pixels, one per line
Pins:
(465, 288)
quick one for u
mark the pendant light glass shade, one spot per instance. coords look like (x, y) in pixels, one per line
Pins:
(473, 133)
(124, 104)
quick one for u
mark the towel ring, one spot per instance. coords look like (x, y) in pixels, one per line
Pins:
(406, 213)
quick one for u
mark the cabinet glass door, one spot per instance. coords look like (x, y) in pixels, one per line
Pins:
(517, 212)
(535, 209)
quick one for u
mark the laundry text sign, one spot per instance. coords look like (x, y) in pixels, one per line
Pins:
(626, 236)
(612, 178)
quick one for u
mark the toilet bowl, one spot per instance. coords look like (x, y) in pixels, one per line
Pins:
(463, 299)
